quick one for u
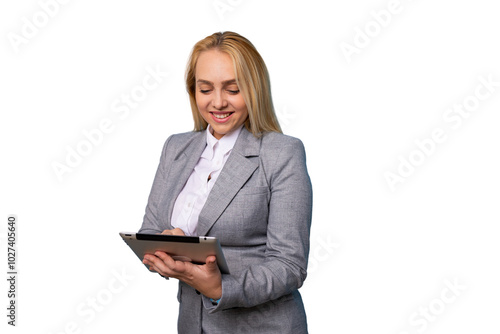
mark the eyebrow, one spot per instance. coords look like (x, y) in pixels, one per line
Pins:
(224, 83)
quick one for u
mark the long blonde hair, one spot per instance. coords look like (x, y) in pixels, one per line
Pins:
(252, 78)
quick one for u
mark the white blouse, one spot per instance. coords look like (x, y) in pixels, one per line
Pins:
(193, 196)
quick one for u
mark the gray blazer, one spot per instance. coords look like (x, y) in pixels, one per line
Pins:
(260, 209)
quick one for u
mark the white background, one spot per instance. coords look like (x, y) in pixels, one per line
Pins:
(380, 259)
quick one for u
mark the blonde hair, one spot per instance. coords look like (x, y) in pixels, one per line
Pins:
(252, 78)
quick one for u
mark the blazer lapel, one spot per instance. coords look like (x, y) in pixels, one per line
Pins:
(238, 169)
(181, 168)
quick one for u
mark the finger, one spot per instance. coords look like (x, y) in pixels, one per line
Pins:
(175, 231)
(147, 261)
(175, 268)
(165, 258)
(150, 265)
(156, 264)
(211, 263)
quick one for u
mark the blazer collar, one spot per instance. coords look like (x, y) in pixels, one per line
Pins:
(238, 169)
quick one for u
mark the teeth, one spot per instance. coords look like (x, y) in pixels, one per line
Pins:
(220, 116)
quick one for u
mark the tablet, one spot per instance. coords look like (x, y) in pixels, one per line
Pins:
(179, 247)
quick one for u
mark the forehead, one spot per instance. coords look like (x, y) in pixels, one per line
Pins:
(214, 66)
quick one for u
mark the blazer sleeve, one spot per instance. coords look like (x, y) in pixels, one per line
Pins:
(290, 209)
(152, 217)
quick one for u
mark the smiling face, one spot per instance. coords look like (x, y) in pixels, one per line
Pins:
(218, 97)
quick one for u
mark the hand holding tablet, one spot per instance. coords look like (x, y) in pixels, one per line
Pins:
(178, 247)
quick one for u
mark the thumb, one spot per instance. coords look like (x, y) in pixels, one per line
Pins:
(211, 263)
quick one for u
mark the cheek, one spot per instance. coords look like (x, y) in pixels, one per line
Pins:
(239, 103)
(201, 102)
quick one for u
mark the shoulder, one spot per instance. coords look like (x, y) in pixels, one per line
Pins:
(284, 161)
(278, 142)
(179, 141)
(184, 137)
(279, 152)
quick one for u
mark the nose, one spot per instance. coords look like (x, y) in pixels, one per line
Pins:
(219, 101)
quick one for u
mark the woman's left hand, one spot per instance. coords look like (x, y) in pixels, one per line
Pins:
(205, 278)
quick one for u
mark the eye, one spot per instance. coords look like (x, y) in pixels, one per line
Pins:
(233, 91)
(204, 91)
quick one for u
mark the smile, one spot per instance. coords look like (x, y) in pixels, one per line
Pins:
(221, 117)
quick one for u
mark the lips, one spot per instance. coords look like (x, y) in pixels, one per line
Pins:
(221, 116)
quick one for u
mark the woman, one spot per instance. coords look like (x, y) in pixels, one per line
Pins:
(237, 178)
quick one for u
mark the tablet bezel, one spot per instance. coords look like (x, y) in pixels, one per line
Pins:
(180, 247)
